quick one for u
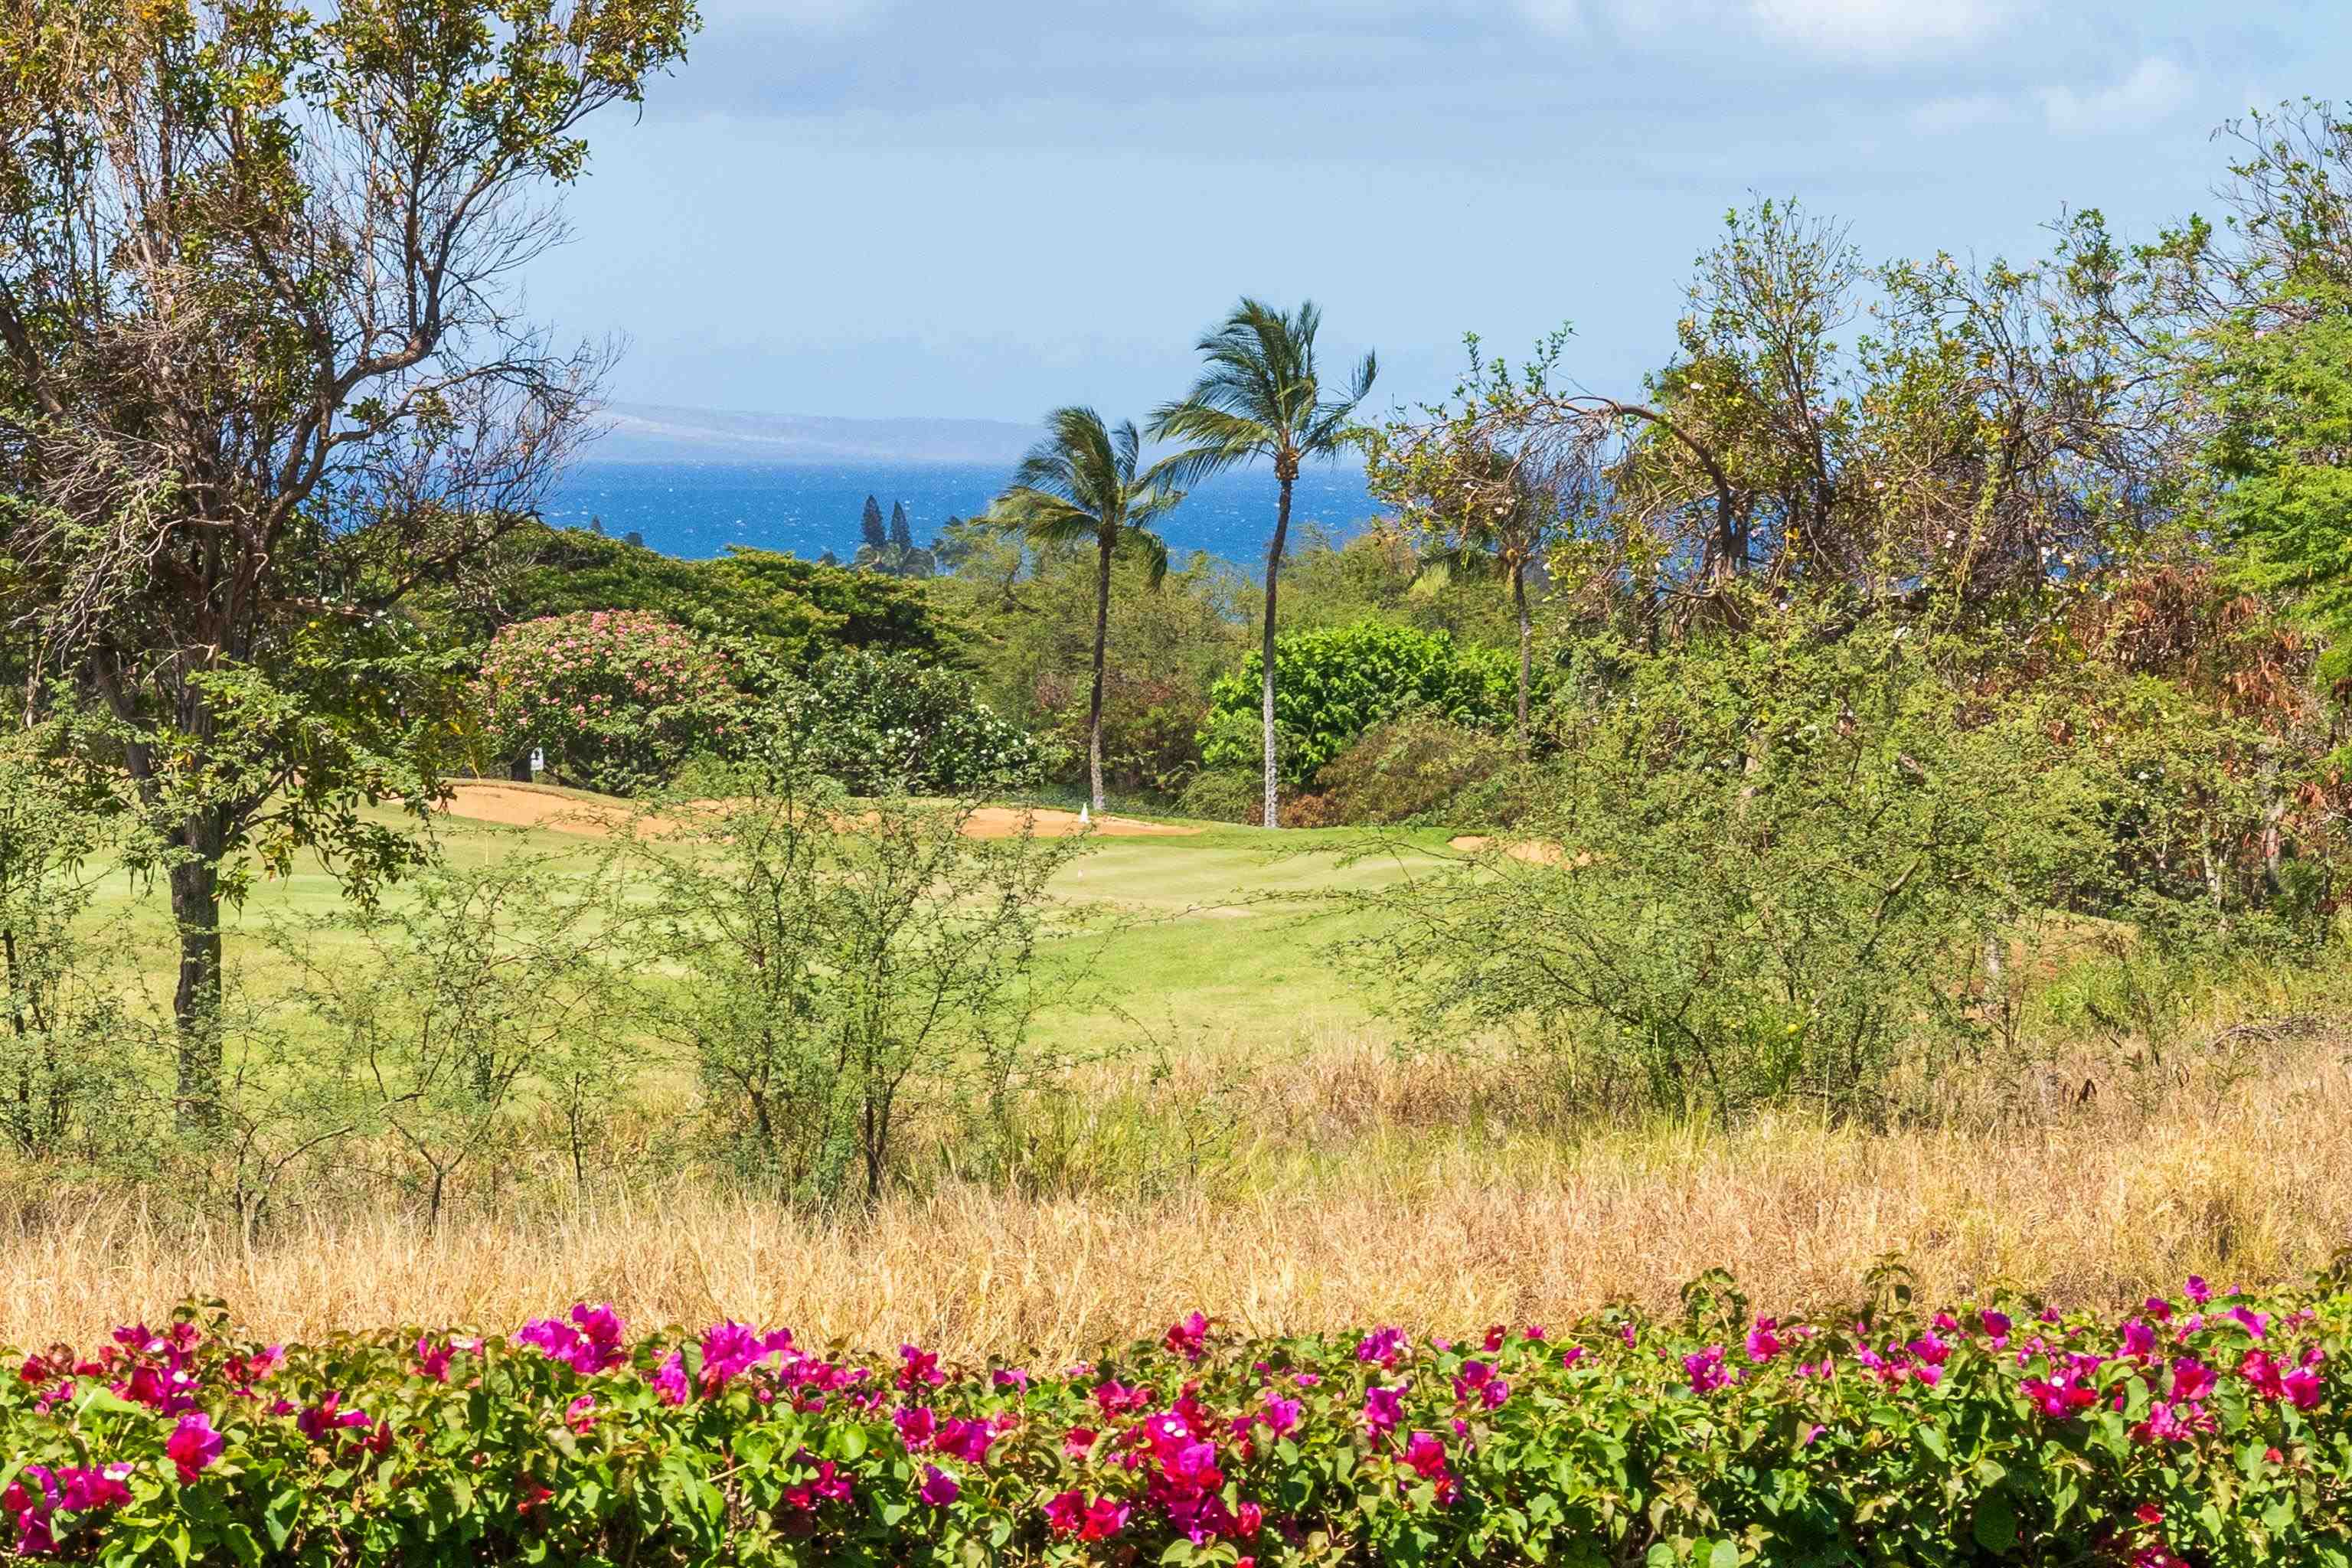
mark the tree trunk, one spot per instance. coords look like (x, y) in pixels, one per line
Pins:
(198, 837)
(1527, 652)
(1094, 704)
(196, 1001)
(1285, 469)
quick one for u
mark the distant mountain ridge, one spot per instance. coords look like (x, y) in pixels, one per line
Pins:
(660, 433)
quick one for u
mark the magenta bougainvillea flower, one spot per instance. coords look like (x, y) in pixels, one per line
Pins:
(1188, 1336)
(590, 1343)
(1478, 1381)
(1065, 1513)
(1106, 1517)
(194, 1445)
(1117, 1399)
(1706, 1370)
(918, 1369)
(966, 1440)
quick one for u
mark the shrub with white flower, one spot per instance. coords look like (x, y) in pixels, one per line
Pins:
(616, 698)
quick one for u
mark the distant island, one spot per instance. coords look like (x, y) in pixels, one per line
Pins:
(657, 433)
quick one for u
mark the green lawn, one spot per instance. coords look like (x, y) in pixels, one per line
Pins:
(1197, 944)
(1213, 949)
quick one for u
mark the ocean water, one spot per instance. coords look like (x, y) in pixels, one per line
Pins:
(695, 509)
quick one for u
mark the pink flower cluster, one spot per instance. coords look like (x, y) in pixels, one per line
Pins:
(159, 1369)
(590, 1343)
(39, 1494)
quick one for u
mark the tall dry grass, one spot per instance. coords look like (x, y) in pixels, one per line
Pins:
(1352, 1194)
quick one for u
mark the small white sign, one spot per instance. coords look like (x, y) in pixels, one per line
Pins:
(538, 761)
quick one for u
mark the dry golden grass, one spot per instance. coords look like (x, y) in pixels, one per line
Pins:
(1391, 1221)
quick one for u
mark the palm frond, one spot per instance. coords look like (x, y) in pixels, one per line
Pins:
(1127, 450)
(1260, 371)
(1043, 517)
(1184, 470)
(1155, 554)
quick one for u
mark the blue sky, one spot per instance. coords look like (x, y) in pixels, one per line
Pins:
(986, 208)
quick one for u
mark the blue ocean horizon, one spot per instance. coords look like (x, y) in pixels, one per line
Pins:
(695, 509)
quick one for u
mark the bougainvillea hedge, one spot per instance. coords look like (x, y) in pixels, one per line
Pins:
(2206, 1429)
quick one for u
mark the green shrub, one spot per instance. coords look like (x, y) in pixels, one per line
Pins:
(797, 610)
(1224, 795)
(1410, 767)
(1331, 686)
(1765, 873)
(847, 971)
(68, 1048)
(879, 722)
(1150, 728)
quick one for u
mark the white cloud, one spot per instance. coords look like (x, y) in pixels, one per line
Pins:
(1255, 11)
(2155, 88)
(1942, 116)
(1553, 16)
(1833, 29)
(1879, 29)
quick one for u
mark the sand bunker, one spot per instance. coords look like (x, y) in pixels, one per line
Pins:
(528, 806)
(1534, 851)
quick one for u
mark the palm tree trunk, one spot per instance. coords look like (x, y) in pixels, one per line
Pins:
(1094, 707)
(1286, 470)
(1526, 656)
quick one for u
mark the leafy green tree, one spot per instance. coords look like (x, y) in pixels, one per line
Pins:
(1483, 511)
(799, 610)
(902, 537)
(1081, 485)
(261, 374)
(877, 723)
(2284, 393)
(1262, 396)
(870, 529)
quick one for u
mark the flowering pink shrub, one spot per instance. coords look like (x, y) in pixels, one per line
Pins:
(617, 698)
(2211, 1430)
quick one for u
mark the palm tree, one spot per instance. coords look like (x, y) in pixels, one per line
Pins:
(1260, 397)
(1080, 486)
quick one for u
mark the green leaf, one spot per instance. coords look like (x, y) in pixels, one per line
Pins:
(1996, 1524)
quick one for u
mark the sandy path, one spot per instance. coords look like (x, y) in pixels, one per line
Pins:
(528, 806)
